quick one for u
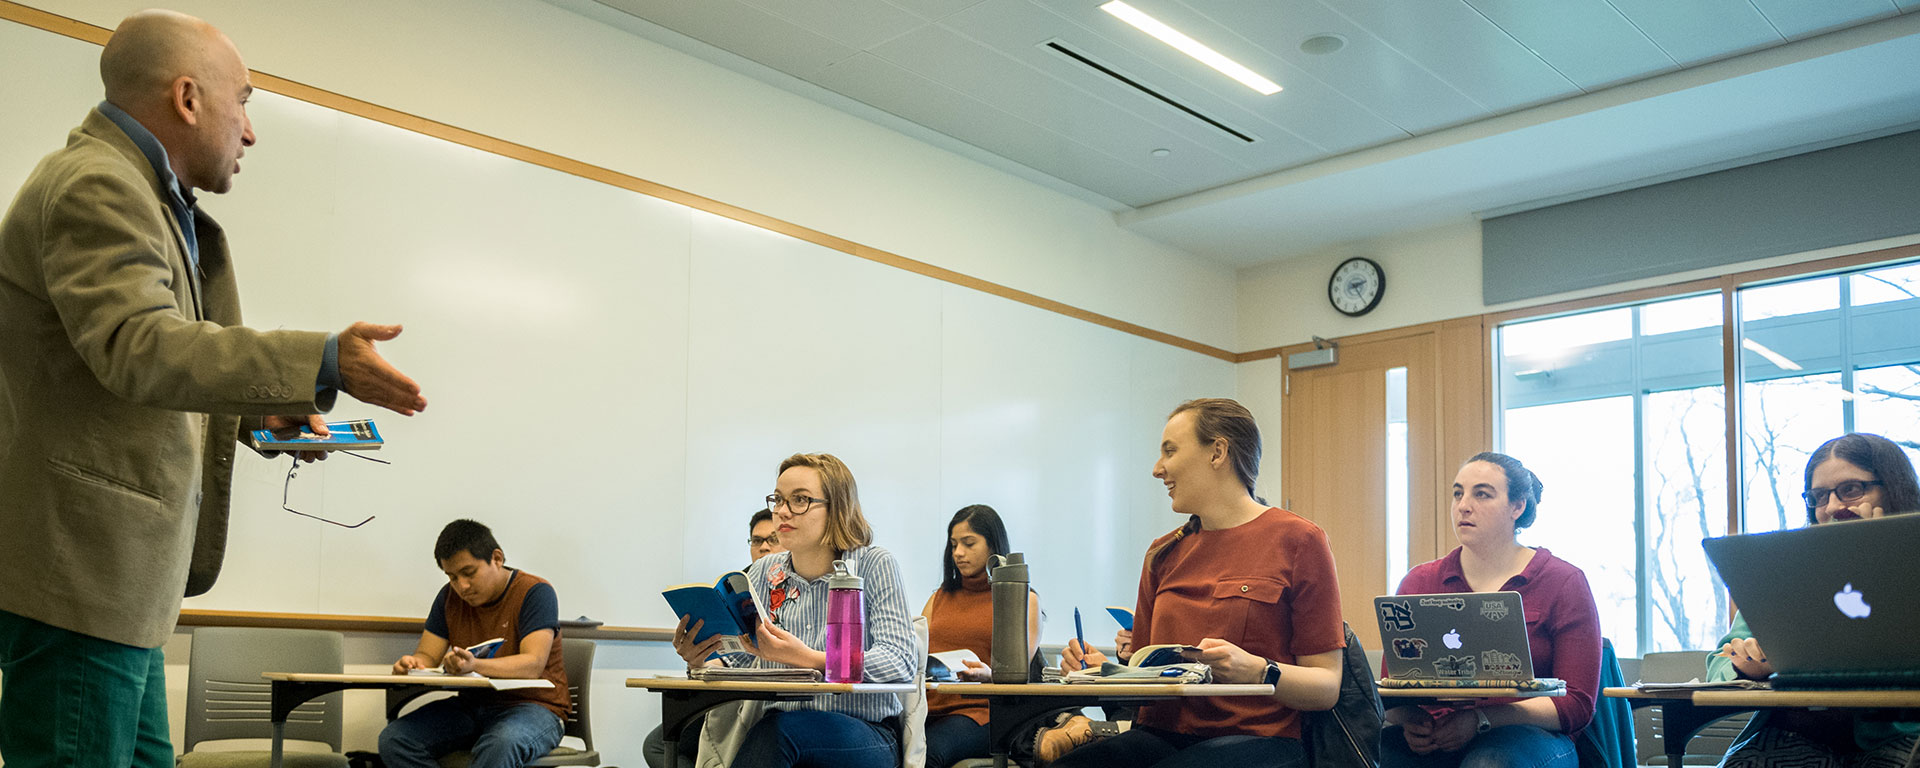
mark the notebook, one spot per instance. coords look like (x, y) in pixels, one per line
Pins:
(1460, 639)
(1834, 605)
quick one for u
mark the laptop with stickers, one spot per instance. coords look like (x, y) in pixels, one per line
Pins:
(1834, 605)
(1456, 640)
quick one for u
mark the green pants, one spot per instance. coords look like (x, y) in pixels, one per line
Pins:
(67, 699)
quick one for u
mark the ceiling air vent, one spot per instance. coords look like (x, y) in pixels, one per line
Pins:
(1108, 72)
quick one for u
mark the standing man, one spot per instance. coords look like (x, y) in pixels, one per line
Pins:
(125, 375)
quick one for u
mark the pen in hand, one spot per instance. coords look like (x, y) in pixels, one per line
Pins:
(1079, 632)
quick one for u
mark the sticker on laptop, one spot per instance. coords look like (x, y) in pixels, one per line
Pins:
(1410, 648)
(1500, 664)
(1494, 610)
(1454, 667)
(1397, 617)
(1452, 603)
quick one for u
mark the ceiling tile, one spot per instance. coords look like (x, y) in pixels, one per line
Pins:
(1306, 111)
(857, 24)
(912, 97)
(1700, 30)
(1799, 18)
(1908, 6)
(1367, 70)
(1462, 47)
(1013, 87)
(742, 29)
(934, 10)
(1586, 40)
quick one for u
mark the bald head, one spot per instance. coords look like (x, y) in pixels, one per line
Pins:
(151, 49)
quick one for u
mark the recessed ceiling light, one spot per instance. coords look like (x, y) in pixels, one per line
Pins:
(1321, 45)
(1162, 152)
(1191, 47)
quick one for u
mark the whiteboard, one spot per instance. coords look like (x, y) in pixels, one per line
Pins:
(613, 379)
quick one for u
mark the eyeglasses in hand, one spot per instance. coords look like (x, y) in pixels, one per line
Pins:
(287, 489)
(1849, 492)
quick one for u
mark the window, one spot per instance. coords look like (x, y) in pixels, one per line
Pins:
(1622, 413)
(1626, 430)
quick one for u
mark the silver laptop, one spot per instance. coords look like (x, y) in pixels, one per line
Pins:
(1471, 639)
(1834, 605)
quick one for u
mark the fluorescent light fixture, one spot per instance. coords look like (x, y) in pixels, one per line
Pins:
(1191, 47)
(1779, 360)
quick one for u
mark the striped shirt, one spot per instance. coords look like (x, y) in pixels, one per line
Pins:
(889, 643)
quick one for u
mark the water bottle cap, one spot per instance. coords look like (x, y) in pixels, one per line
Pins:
(841, 578)
(1011, 566)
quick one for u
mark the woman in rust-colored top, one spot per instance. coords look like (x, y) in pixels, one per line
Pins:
(960, 615)
(1251, 585)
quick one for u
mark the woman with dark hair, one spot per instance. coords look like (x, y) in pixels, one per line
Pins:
(960, 615)
(1494, 495)
(1251, 585)
(1851, 477)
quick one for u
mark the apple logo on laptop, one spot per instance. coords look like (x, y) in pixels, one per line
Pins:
(1851, 603)
(1452, 637)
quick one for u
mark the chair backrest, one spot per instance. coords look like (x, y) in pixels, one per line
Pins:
(913, 705)
(577, 656)
(1711, 743)
(227, 699)
(1608, 739)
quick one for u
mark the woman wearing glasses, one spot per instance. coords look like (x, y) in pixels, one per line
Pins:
(816, 508)
(1850, 477)
(1251, 585)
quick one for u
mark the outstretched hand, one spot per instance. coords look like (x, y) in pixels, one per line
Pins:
(369, 378)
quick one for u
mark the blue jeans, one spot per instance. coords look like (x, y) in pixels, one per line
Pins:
(1144, 747)
(500, 734)
(1509, 746)
(953, 738)
(810, 737)
(72, 699)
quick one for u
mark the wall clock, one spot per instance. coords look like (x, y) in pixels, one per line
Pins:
(1356, 286)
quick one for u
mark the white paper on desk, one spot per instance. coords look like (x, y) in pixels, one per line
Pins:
(508, 684)
(438, 672)
(1696, 685)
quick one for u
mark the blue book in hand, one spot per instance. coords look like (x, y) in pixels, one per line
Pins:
(727, 607)
(1122, 615)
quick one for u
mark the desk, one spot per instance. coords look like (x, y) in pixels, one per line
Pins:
(1463, 694)
(682, 700)
(1012, 707)
(291, 689)
(1685, 712)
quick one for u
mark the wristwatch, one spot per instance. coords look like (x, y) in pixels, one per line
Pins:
(1272, 677)
(1485, 724)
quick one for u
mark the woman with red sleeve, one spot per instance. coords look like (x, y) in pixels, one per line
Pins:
(1251, 585)
(1493, 496)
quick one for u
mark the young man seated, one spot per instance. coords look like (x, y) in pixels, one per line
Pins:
(484, 600)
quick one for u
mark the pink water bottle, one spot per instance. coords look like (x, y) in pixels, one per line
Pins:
(846, 626)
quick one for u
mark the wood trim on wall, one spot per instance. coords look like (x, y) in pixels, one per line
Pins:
(389, 624)
(85, 32)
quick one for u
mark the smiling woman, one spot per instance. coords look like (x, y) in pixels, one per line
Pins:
(1851, 477)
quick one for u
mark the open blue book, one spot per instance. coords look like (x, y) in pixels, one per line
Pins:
(727, 607)
(356, 435)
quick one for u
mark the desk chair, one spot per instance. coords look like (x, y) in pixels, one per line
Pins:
(226, 699)
(1707, 746)
(577, 655)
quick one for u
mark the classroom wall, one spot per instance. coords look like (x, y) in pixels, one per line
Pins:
(528, 72)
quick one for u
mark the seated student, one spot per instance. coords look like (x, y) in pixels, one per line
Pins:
(816, 507)
(762, 540)
(1251, 585)
(1493, 496)
(960, 615)
(1848, 478)
(483, 600)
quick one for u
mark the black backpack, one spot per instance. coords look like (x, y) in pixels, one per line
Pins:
(1348, 735)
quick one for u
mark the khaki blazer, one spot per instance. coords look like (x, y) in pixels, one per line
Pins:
(122, 387)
